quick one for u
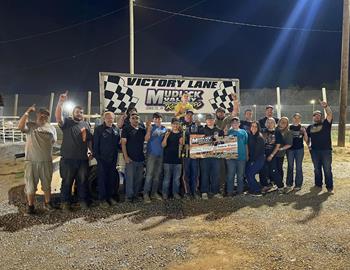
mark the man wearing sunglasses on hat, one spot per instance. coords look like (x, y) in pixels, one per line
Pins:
(320, 145)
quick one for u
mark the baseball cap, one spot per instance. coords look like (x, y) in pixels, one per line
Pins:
(44, 111)
(316, 112)
(174, 120)
(189, 111)
(209, 117)
(268, 107)
(220, 109)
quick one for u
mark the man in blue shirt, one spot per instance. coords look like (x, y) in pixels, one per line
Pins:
(154, 137)
(237, 166)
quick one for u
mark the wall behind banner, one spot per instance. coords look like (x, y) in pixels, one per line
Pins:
(292, 100)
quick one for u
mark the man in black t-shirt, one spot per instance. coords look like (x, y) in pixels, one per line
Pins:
(320, 145)
(74, 163)
(191, 166)
(248, 119)
(133, 137)
(268, 114)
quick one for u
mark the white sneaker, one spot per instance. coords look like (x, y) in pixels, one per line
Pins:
(218, 196)
(205, 196)
(288, 190)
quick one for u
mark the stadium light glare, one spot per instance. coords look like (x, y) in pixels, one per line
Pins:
(68, 106)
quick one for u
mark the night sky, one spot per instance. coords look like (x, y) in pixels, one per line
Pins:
(259, 57)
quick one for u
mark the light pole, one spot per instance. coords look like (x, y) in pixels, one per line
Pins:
(131, 17)
(254, 106)
(312, 101)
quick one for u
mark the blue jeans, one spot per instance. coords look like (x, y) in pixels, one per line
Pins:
(191, 175)
(134, 178)
(107, 179)
(210, 175)
(70, 170)
(322, 159)
(296, 155)
(235, 168)
(172, 174)
(252, 168)
(271, 171)
(153, 171)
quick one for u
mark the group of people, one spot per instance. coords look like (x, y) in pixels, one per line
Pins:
(158, 164)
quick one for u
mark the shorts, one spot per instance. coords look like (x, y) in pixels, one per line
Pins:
(35, 170)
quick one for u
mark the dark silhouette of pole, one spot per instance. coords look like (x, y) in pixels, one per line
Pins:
(344, 77)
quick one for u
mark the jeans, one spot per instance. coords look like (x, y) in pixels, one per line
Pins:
(134, 178)
(107, 179)
(322, 159)
(270, 170)
(235, 168)
(279, 161)
(153, 171)
(210, 169)
(70, 170)
(191, 175)
(296, 155)
(172, 174)
(252, 168)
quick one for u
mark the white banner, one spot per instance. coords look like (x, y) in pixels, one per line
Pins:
(151, 93)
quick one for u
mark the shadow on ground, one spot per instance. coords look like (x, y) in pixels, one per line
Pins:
(214, 209)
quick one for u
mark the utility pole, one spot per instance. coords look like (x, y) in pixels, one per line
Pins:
(344, 74)
(131, 17)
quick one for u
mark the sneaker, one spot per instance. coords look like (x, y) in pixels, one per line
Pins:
(165, 197)
(205, 196)
(177, 196)
(280, 191)
(218, 196)
(30, 210)
(104, 204)
(296, 189)
(288, 189)
(255, 194)
(157, 197)
(266, 189)
(83, 206)
(187, 196)
(146, 198)
(66, 207)
(229, 194)
(330, 190)
(128, 200)
(112, 202)
(48, 206)
(196, 196)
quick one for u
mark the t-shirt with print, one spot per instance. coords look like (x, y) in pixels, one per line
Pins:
(135, 140)
(287, 139)
(154, 145)
(271, 139)
(320, 135)
(298, 137)
(76, 135)
(242, 140)
(39, 141)
(171, 151)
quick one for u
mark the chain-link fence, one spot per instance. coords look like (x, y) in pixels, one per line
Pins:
(292, 100)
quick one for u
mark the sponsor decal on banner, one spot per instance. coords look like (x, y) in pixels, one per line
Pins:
(213, 146)
(161, 93)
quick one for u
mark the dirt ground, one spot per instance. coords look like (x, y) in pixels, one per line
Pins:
(309, 229)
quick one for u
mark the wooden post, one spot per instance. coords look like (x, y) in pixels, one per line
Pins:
(52, 96)
(15, 107)
(344, 74)
(89, 106)
(278, 102)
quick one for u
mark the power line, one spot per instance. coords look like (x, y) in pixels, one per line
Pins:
(63, 28)
(238, 23)
(66, 58)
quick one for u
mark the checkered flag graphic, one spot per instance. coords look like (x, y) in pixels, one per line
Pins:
(222, 97)
(118, 97)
